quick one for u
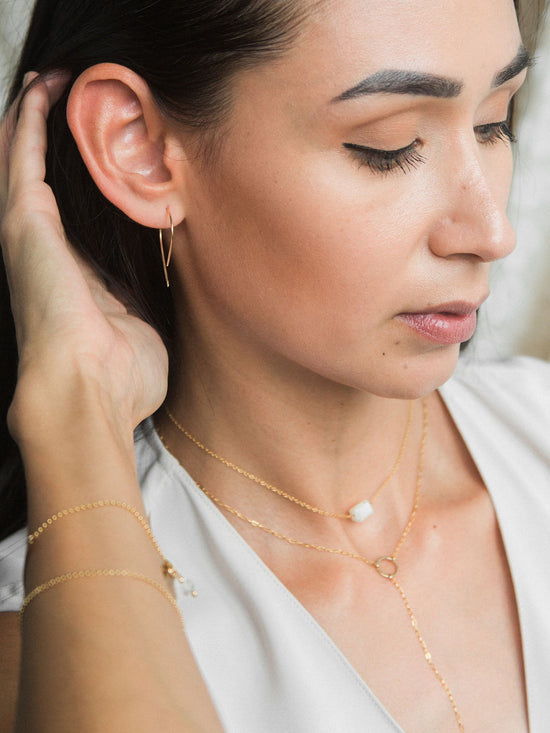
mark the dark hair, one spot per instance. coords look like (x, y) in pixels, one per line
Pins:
(187, 51)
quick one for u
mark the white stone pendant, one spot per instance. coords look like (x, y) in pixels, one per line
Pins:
(361, 511)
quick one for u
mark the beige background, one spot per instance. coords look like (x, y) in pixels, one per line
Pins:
(517, 317)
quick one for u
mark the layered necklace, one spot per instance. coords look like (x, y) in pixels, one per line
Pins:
(358, 513)
(386, 565)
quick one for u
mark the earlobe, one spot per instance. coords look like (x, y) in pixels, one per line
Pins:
(122, 138)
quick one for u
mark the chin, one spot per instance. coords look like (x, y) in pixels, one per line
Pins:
(422, 374)
(405, 377)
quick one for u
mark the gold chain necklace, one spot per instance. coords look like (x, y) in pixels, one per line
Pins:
(358, 513)
(380, 564)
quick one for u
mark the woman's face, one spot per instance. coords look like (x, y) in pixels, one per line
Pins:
(349, 221)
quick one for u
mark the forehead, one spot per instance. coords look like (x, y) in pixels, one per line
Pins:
(342, 41)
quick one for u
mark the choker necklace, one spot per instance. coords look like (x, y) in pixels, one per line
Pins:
(358, 513)
(386, 566)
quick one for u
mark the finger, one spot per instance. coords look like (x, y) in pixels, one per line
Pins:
(30, 205)
(7, 131)
(28, 115)
(26, 163)
(7, 127)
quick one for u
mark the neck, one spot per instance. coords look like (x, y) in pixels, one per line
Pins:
(327, 444)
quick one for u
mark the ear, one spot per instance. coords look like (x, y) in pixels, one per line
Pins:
(131, 152)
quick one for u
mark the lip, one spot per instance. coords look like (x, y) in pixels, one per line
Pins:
(447, 323)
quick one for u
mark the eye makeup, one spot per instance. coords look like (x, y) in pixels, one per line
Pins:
(495, 132)
(385, 161)
(409, 157)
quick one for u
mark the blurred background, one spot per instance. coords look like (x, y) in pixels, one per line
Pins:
(516, 319)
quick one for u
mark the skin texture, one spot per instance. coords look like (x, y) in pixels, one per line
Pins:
(310, 256)
(9, 669)
(292, 263)
(81, 395)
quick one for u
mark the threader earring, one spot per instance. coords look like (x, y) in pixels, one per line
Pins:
(166, 260)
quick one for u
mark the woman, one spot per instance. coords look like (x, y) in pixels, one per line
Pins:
(330, 180)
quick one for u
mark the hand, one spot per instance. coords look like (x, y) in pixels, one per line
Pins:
(69, 327)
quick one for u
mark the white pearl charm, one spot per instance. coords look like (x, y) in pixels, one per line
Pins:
(361, 511)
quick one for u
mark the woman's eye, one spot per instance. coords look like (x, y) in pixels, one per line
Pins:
(495, 132)
(409, 157)
(385, 161)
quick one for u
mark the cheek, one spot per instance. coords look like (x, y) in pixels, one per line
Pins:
(319, 242)
(312, 272)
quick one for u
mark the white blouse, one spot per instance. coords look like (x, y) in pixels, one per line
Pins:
(268, 664)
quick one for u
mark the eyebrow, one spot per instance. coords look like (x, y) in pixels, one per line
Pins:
(522, 61)
(394, 81)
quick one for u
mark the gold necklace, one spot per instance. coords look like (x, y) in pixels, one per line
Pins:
(380, 564)
(358, 513)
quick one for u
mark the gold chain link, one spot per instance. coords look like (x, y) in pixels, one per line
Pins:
(167, 568)
(101, 504)
(427, 653)
(380, 564)
(284, 494)
(103, 573)
(335, 550)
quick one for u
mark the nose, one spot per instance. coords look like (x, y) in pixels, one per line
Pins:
(474, 221)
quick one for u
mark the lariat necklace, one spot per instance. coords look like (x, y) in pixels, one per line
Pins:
(386, 566)
(358, 513)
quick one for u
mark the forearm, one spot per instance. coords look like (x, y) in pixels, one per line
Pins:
(100, 653)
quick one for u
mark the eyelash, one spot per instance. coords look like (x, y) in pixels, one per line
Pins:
(408, 158)
(495, 132)
(385, 161)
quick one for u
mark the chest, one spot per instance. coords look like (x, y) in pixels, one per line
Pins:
(460, 597)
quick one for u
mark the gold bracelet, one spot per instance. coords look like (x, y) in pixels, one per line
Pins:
(103, 503)
(167, 568)
(105, 573)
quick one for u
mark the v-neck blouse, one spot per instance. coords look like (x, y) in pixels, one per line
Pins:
(268, 664)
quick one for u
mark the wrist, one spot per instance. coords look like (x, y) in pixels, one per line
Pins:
(75, 447)
(68, 469)
(53, 412)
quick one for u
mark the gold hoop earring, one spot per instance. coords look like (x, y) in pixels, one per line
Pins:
(166, 261)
